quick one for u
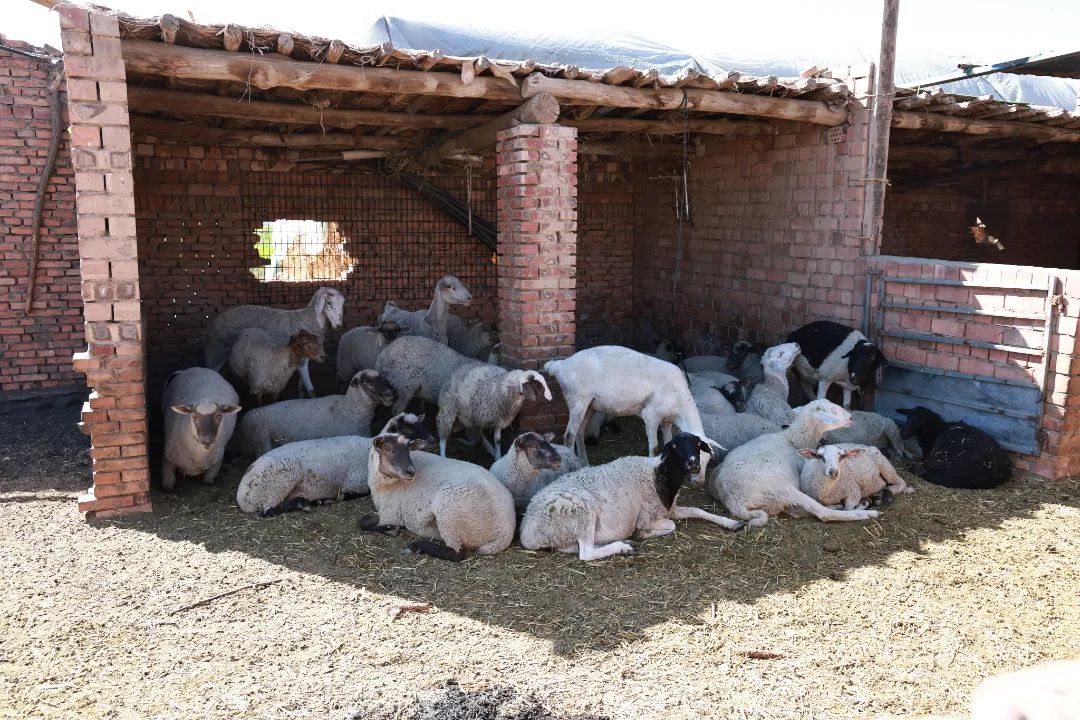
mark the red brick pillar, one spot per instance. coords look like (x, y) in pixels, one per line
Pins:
(537, 256)
(115, 415)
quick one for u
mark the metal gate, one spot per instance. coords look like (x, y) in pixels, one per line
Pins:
(1009, 410)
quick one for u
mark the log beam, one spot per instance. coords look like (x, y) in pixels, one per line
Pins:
(1067, 165)
(586, 93)
(169, 129)
(541, 109)
(672, 126)
(909, 120)
(633, 149)
(180, 103)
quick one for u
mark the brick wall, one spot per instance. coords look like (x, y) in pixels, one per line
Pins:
(774, 239)
(1035, 218)
(35, 349)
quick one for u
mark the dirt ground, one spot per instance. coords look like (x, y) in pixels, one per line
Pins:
(896, 617)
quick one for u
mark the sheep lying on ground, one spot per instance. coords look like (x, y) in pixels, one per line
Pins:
(288, 421)
(266, 364)
(326, 308)
(956, 454)
(531, 463)
(761, 478)
(432, 322)
(740, 363)
(594, 510)
(847, 474)
(731, 431)
(435, 497)
(869, 428)
(483, 397)
(770, 398)
(835, 353)
(359, 348)
(418, 367)
(200, 410)
(297, 475)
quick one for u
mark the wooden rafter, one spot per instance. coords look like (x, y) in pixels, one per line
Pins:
(910, 120)
(259, 138)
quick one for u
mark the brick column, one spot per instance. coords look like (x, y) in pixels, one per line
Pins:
(537, 194)
(115, 415)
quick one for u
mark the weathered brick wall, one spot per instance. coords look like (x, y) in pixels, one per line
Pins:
(35, 348)
(774, 239)
(1035, 218)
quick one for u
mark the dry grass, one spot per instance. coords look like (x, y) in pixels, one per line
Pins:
(897, 617)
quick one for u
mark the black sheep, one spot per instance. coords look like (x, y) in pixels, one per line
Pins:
(956, 454)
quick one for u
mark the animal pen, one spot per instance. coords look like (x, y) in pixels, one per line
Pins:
(218, 166)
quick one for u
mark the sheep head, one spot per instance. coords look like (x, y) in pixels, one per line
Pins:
(831, 456)
(538, 450)
(390, 330)
(739, 351)
(374, 386)
(679, 459)
(530, 383)
(453, 291)
(394, 459)
(305, 345)
(778, 358)
(410, 426)
(828, 415)
(863, 361)
(206, 419)
(329, 306)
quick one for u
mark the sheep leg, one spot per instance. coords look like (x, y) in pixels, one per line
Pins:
(823, 389)
(804, 502)
(661, 526)
(370, 523)
(665, 433)
(305, 378)
(892, 434)
(287, 505)
(487, 445)
(428, 547)
(893, 481)
(575, 428)
(685, 513)
(211, 474)
(403, 398)
(847, 398)
(168, 475)
(497, 437)
(652, 424)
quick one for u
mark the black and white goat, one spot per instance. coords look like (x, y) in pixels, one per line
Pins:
(835, 353)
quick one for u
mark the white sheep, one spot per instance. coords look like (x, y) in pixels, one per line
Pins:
(1049, 691)
(769, 399)
(200, 410)
(596, 421)
(740, 363)
(297, 475)
(432, 322)
(594, 510)
(845, 474)
(619, 382)
(731, 431)
(418, 367)
(476, 341)
(869, 428)
(266, 364)
(482, 397)
(284, 422)
(531, 463)
(359, 348)
(326, 307)
(436, 497)
(761, 478)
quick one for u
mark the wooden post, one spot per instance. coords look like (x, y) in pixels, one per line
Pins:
(880, 123)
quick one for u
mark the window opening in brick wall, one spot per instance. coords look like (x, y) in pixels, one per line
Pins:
(301, 251)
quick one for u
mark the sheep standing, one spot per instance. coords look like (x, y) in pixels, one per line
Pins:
(956, 454)
(200, 410)
(486, 397)
(432, 322)
(435, 497)
(770, 398)
(869, 428)
(359, 348)
(531, 463)
(290, 420)
(835, 353)
(266, 365)
(594, 510)
(326, 308)
(297, 475)
(418, 367)
(761, 478)
(847, 474)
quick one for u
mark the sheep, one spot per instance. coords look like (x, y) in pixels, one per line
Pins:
(618, 381)
(419, 367)
(844, 474)
(826, 345)
(956, 454)
(482, 396)
(326, 307)
(1049, 691)
(200, 410)
(731, 431)
(285, 422)
(594, 510)
(598, 421)
(266, 364)
(667, 351)
(531, 463)
(869, 428)
(770, 398)
(435, 497)
(740, 363)
(432, 322)
(727, 399)
(359, 348)
(476, 341)
(297, 475)
(761, 478)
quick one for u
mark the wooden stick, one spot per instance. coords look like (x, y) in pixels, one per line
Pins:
(285, 44)
(587, 93)
(233, 37)
(272, 70)
(168, 129)
(880, 124)
(541, 109)
(169, 27)
(673, 126)
(181, 103)
(55, 77)
(334, 51)
(227, 593)
(912, 120)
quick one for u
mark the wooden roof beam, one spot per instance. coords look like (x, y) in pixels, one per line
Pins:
(671, 126)
(996, 128)
(170, 129)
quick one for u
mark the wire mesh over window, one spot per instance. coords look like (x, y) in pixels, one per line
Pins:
(367, 235)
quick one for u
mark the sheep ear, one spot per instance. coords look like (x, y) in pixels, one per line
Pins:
(807, 453)
(549, 436)
(230, 409)
(320, 300)
(418, 444)
(853, 452)
(704, 447)
(183, 409)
